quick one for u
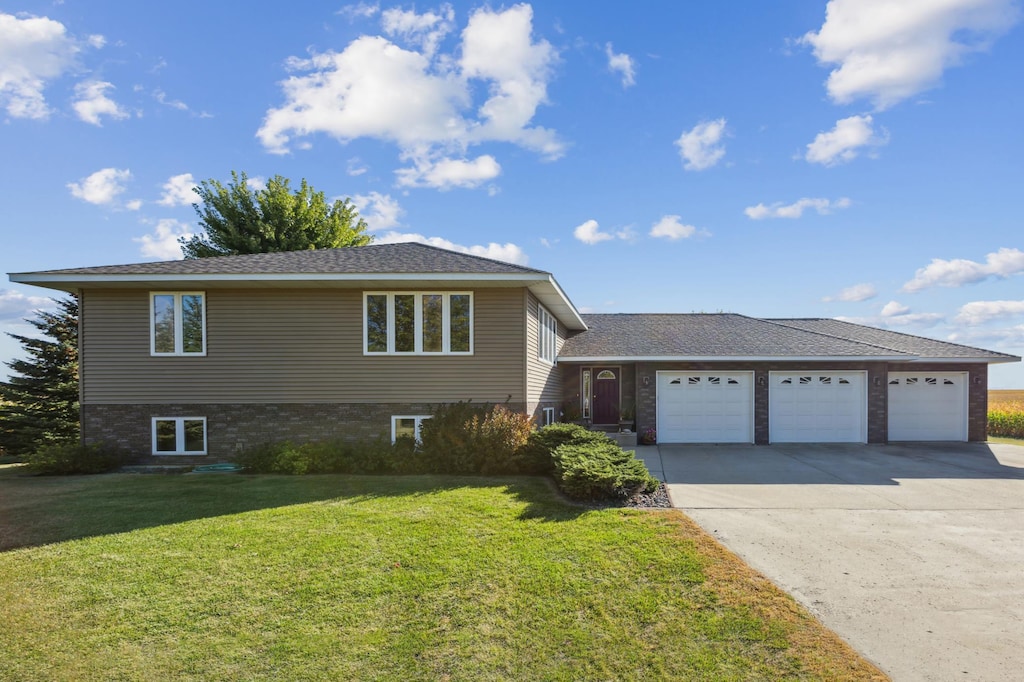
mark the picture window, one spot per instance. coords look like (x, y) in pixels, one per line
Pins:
(418, 323)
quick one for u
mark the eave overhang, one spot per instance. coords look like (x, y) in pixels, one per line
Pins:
(543, 285)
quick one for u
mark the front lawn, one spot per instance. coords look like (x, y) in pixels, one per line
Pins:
(219, 577)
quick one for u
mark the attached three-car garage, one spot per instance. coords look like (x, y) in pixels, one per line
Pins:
(808, 406)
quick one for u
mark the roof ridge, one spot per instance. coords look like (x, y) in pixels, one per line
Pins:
(912, 336)
(463, 253)
(778, 323)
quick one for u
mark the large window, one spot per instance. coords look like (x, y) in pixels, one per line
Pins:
(418, 323)
(548, 333)
(177, 323)
(407, 427)
(179, 435)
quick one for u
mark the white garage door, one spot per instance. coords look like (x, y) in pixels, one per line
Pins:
(817, 407)
(705, 407)
(928, 406)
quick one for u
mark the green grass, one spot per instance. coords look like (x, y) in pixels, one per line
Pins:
(362, 578)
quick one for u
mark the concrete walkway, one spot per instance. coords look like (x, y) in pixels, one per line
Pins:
(913, 553)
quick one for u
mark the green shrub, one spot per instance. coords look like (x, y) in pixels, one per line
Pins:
(541, 445)
(586, 464)
(600, 470)
(1006, 421)
(74, 458)
(462, 438)
(329, 457)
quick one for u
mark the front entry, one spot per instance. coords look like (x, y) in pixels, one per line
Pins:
(606, 395)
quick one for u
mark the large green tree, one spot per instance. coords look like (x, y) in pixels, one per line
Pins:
(39, 405)
(239, 219)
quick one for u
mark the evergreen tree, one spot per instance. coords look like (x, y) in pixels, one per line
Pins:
(39, 405)
(238, 219)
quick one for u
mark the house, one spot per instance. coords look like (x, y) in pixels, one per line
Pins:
(206, 357)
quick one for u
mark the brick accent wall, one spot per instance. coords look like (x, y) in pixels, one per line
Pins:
(234, 427)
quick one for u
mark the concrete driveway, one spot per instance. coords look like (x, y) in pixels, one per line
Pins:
(913, 553)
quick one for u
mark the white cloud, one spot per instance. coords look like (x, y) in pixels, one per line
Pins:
(133, 205)
(380, 211)
(499, 47)
(627, 234)
(957, 272)
(425, 31)
(588, 233)
(355, 166)
(979, 312)
(92, 102)
(362, 10)
(888, 51)
(421, 101)
(844, 142)
(896, 315)
(622, 64)
(700, 147)
(15, 305)
(178, 191)
(894, 308)
(796, 209)
(671, 227)
(444, 174)
(1008, 337)
(162, 243)
(509, 252)
(857, 292)
(161, 97)
(257, 183)
(102, 187)
(33, 50)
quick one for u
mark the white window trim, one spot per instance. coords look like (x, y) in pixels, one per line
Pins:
(419, 422)
(179, 436)
(547, 336)
(179, 322)
(446, 328)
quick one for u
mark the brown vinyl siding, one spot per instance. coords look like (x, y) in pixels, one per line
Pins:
(293, 346)
(543, 380)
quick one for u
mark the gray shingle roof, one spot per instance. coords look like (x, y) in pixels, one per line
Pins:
(905, 343)
(705, 336)
(406, 258)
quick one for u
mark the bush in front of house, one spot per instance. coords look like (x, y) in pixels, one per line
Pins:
(462, 438)
(326, 457)
(74, 458)
(588, 465)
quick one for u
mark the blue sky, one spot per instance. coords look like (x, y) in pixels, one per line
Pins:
(801, 159)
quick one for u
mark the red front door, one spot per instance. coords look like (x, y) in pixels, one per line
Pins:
(606, 395)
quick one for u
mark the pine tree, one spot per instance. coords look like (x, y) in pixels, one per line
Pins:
(39, 405)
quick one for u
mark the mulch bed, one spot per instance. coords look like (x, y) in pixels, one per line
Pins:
(658, 499)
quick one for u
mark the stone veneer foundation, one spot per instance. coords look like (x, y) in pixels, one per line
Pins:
(231, 428)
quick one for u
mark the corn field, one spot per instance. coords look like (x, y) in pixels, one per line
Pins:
(1006, 414)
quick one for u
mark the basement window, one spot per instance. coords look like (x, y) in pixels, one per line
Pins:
(407, 426)
(179, 435)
